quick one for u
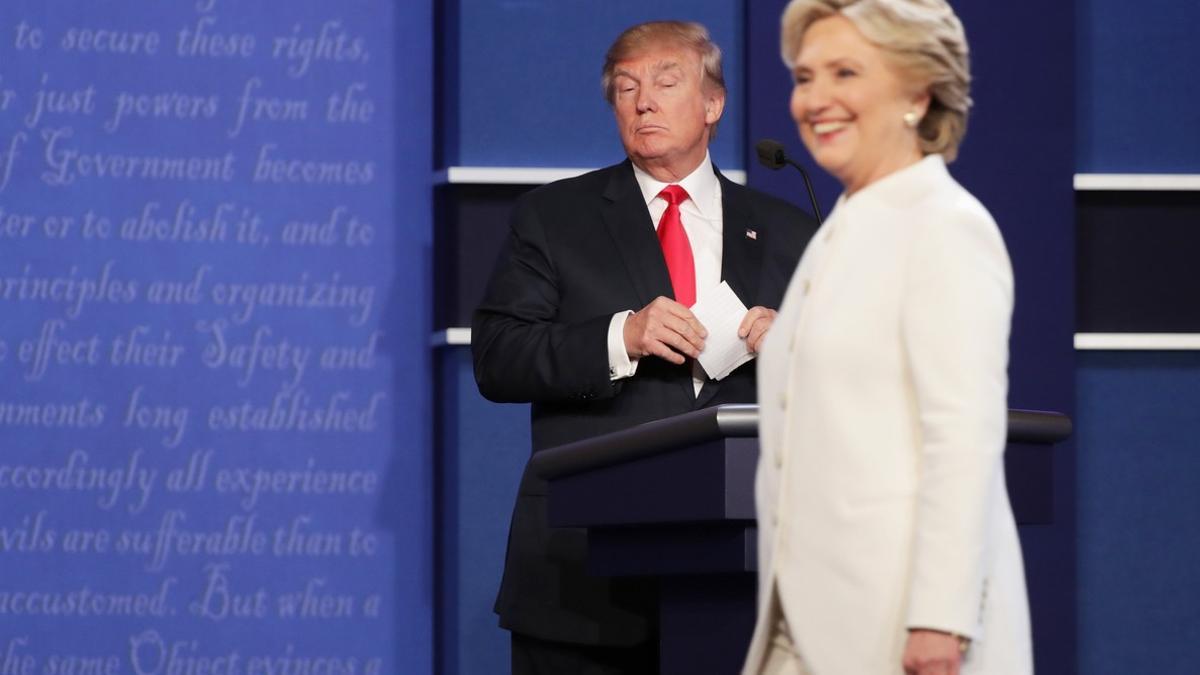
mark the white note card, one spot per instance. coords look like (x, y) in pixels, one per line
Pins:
(721, 312)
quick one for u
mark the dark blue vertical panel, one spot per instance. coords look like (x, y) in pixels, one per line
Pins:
(528, 87)
(1018, 159)
(1139, 98)
(408, 510)
(445, 83)
(1139, 512)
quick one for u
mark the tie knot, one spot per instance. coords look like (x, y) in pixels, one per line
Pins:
(674, 194)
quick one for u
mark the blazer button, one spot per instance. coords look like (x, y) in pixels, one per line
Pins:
(783, 401)
(778, 460)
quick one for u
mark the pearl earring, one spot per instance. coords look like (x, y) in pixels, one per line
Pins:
(911, 119)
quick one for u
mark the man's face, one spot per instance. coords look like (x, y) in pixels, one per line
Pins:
(663, 110)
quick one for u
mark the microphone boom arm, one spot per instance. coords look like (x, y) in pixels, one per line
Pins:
(771, 155)
(812, 196)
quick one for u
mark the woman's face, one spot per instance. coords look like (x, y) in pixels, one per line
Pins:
(849, 105)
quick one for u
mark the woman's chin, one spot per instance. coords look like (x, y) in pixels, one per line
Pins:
(830, 162)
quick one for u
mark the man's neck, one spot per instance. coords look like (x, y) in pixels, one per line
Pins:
(701, 184)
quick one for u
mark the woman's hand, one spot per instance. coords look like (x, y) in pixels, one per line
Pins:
(931, 652)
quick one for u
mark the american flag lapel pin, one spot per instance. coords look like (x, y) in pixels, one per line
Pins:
(751, 234)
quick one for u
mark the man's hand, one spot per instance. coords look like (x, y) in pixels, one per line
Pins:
(754, 326)
(931, 652)
(666, 329)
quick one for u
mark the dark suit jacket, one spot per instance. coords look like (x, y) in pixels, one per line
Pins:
(579, 251)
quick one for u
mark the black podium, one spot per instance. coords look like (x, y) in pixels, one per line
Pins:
(674, 499)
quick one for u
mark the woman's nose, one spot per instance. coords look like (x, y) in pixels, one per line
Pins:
(817, 94)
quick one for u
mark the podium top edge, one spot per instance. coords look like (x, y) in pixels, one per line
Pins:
(731, 421)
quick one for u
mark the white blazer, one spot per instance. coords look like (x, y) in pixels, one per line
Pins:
(882, 388)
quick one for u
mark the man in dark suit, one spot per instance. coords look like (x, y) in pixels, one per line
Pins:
(557, 325)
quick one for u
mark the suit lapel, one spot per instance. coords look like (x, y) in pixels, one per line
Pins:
(628, 221)
(742, 242)
(741, 256)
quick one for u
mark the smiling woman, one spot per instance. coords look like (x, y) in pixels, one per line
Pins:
(888, 542)
(930, 57)
(846, 102)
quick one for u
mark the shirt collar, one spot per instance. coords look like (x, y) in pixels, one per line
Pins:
(701, 184)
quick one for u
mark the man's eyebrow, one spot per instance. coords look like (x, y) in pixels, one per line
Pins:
(657, 69)
(662, 66)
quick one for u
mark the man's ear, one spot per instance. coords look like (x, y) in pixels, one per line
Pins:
(714, 106)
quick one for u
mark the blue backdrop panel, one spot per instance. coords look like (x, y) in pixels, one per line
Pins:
(1139, 558)
(1137, 429)
(1138, 97)
(527, 81)
(214, 424)
(481, 452)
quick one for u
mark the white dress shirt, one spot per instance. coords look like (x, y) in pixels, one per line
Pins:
(703, 219)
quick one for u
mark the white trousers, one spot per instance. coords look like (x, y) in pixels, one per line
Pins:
(782, 657)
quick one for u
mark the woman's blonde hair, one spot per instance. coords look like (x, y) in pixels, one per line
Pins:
(923, 39)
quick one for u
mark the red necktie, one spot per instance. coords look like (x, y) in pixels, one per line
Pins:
(677, 250)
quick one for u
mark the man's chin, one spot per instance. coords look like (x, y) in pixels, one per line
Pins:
(647, 155)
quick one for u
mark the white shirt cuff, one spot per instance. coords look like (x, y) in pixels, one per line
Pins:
(620, 366)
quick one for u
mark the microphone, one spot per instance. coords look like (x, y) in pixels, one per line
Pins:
(771, 155)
